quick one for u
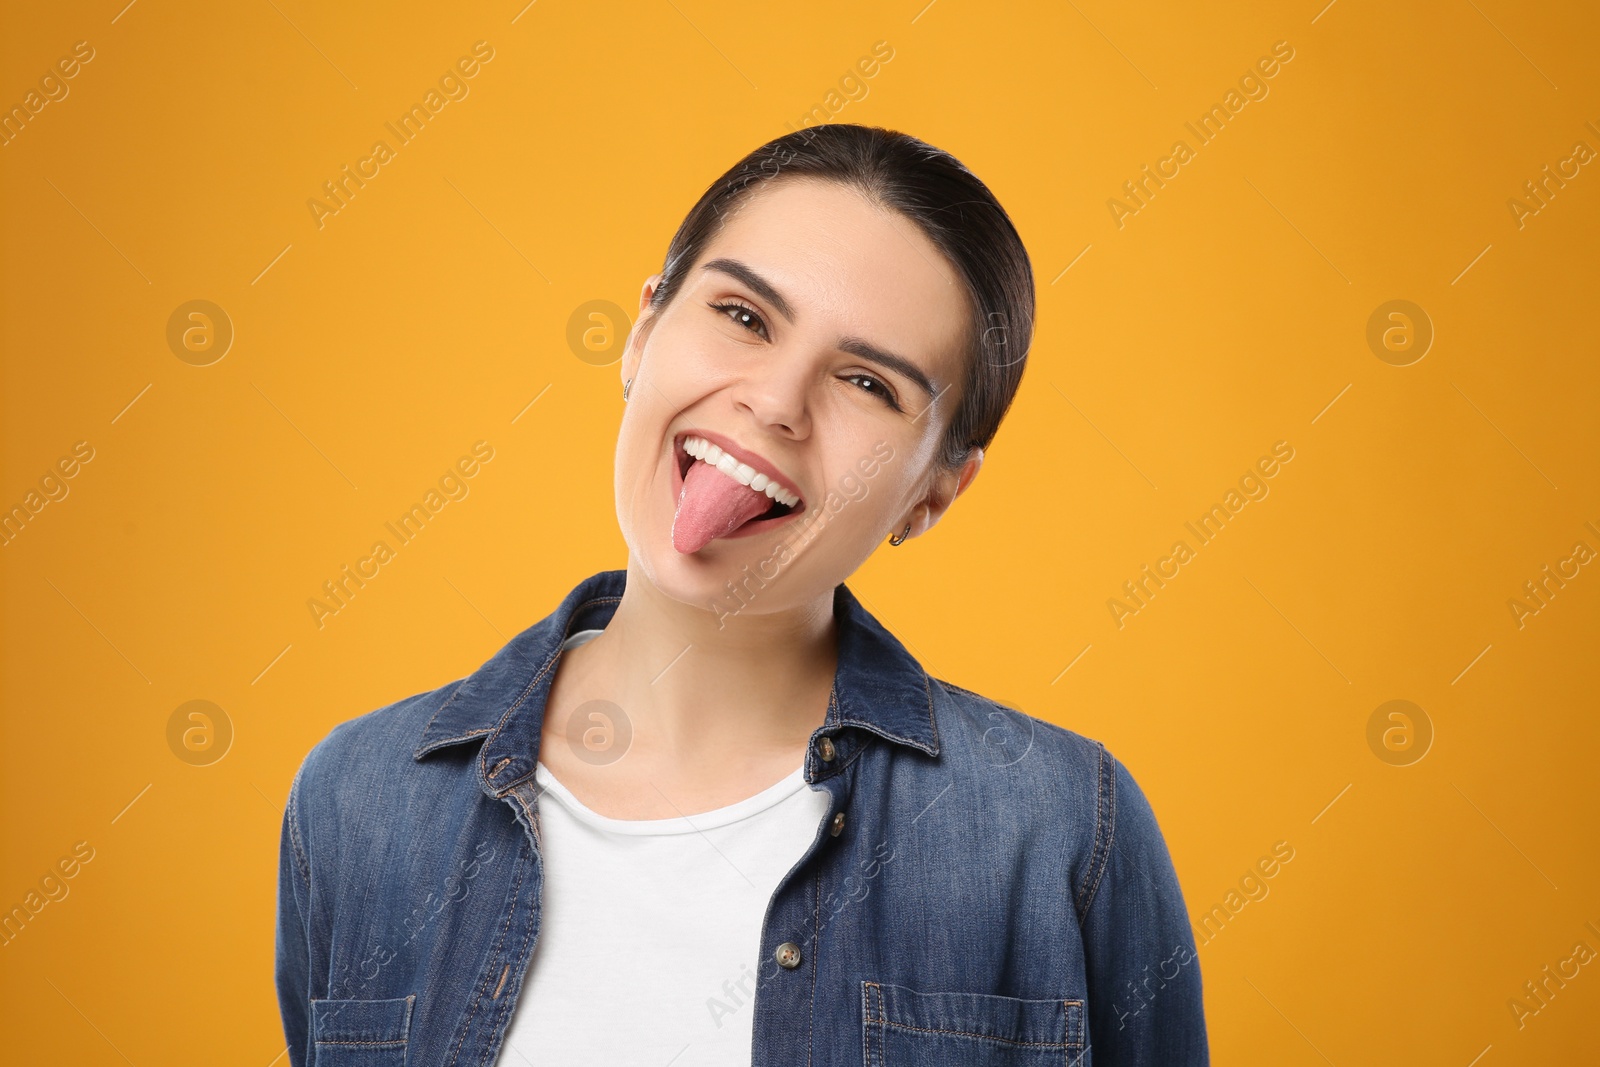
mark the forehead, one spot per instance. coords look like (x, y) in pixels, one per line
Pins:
(850, 266)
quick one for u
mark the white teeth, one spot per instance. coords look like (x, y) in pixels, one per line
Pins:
(743, 473)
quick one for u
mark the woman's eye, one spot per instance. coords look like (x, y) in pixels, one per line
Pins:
(887, 394)
(744, 316)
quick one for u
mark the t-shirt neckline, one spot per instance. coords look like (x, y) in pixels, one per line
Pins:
(738, 811)
(681, 824)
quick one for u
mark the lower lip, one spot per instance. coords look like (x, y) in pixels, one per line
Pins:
(749, 529)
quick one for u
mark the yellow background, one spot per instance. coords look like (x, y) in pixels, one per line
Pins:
(1228, 314)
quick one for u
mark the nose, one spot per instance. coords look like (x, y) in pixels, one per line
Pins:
(775, 395)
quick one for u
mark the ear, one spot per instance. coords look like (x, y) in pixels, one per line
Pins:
(947, 487)
(632, 354)
(647, 292)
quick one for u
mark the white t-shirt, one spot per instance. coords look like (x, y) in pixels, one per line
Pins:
(650, 936)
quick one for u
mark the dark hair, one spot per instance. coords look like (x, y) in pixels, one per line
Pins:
(955, 210)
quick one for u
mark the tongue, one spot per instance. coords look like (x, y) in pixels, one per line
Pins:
(712, 505)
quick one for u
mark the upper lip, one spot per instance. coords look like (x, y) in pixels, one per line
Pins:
(761, 464)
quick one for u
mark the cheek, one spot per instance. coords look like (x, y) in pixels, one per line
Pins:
(641, 462)
(683, 348)
(861, 505)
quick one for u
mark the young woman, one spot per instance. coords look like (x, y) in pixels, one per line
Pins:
(709, 810)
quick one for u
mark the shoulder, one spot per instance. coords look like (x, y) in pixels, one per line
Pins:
(378, 736)
(1072, 785)
(363, 757)
(975, 727)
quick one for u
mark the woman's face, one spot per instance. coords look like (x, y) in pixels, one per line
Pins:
(822, 338)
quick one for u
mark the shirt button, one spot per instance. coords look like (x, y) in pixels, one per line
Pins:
(838, 824)
(788, 955)
(826, 750)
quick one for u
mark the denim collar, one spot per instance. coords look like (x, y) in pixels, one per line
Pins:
(879, 687)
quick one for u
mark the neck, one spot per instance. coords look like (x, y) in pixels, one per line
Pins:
(708, 692)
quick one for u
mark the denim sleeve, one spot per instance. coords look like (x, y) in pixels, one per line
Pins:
(292, 956)
(1145, 1003)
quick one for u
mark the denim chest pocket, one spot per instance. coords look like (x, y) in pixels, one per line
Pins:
(905, 1027)
(361, 1033)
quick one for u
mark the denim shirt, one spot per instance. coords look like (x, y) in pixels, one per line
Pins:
(987, 888)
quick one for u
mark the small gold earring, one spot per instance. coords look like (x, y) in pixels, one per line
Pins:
(899, 539)
(625, 386)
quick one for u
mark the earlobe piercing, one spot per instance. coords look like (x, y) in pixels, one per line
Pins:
(625, 386)
(899, 539)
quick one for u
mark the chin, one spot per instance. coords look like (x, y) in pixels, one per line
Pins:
(749, 564)
(702, 579)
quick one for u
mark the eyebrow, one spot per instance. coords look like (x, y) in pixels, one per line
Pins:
(763, 288)
(854, 345)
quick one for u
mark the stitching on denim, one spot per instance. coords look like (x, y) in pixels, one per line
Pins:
(980, 696)
(364, 1044)
(1078, 901)
(445, 742)
(494, 732)
(832, 718)
(1072, 1042)
(976, 1037)
(1106, 791)
(293, 815)
(516, 896)
(866, 1030)
(867, 1021)
(845, 763)
(816, 949)
(466, 1024)
(405, 1025)
(1108, 786)
(491, 1055)
(445, 703)
(837, 765)
(534, 684)
(890, 734)
(882, 1019)
(1074, 1033)
(531, 811)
